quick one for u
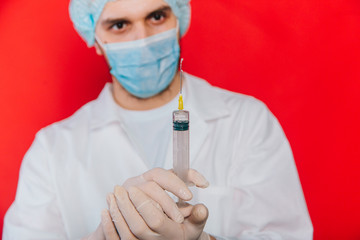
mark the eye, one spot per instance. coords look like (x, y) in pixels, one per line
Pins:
(158, 17)
(118, 25)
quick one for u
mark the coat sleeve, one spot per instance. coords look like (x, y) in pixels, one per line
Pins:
(34, 214)
(268, 195)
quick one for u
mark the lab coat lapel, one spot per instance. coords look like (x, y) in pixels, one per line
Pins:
(105, 111)
(204, 104)
(198, 134)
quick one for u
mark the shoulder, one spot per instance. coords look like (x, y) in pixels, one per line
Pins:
(237, 104)
(81, 119)
(245, 116)
(77, 125)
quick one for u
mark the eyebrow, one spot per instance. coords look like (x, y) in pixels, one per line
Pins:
(111, 21)
(160, 9)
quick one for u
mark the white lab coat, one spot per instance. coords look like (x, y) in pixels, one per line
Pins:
(235, 142)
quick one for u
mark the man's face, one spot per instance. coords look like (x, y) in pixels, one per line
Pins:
(128, 20)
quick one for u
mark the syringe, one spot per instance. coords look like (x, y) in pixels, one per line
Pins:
(181, 139)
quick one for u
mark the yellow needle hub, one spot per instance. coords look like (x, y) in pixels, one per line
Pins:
(181, 103)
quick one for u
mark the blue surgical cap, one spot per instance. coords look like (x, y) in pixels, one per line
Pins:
(85, 13)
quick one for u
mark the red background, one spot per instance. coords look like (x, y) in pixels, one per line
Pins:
(301, 57)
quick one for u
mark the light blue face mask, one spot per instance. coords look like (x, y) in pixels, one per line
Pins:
(147, 66)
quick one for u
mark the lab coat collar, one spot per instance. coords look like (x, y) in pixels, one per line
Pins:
(204, 103)
(200, 98)
(203, 100)
(105, 109)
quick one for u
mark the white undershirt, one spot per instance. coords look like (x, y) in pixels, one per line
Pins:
(150, 131)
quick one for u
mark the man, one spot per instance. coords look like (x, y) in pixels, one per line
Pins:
(121, 143)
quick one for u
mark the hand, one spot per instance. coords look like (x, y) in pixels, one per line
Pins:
(106, 229)
(155, 181)
(137, 216)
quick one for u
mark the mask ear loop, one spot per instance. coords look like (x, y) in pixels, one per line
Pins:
(177, 27)
(99, 41)
(101, 44)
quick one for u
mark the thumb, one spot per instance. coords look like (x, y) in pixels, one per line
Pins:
(199, 215)
(98, 234)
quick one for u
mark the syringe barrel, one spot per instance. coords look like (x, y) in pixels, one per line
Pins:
(181, 144)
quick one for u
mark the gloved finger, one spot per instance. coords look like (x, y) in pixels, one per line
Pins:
(185, 209)
(155, 192)
(108, 226)
(197, 178)
(119, 221)
(134, 181)
(199, 215)
(195, 223)
(98, 234)
(169, 181)
(131, 216)
(204, 236)
(153, 217)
